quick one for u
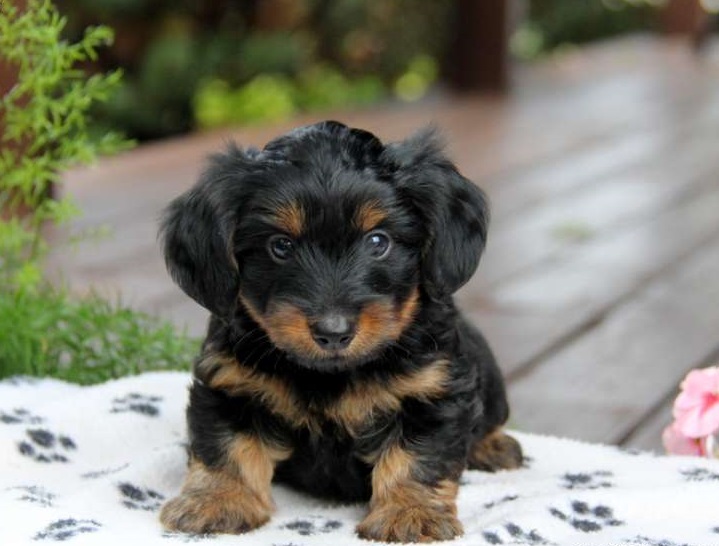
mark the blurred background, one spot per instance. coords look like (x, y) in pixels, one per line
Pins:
(592, 125)
(192, 65)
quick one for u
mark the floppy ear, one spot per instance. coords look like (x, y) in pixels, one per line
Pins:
(197, 231)
(455, 211)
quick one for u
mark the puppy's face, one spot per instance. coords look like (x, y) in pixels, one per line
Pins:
(327, 239)
(330, 262)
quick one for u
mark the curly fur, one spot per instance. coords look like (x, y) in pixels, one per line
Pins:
(393, 417)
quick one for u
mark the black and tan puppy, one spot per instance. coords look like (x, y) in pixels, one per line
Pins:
(335, 359)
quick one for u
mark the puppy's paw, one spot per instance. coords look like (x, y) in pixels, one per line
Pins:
(413, 524)
(496, 451)
(203, 513)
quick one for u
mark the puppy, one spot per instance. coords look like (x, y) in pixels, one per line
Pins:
(335, 360)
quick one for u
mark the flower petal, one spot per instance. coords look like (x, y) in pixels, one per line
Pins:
(693, 423)
(677, 444)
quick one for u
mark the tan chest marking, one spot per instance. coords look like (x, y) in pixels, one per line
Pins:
(358, 405)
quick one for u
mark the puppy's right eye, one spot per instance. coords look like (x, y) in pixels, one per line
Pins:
(281, 248)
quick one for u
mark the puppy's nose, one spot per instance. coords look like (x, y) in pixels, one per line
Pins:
(333, 332)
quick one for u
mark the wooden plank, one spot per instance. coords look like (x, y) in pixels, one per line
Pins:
(648, 437)
(594, 210)
(532, 315)
(598, 387)
(131, 213)
(596, 162)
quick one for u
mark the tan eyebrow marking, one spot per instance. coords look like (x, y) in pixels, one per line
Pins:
(290, 218)
(369, 215)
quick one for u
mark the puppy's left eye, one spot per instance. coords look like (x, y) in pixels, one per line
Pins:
(379, 244)
(281, 248)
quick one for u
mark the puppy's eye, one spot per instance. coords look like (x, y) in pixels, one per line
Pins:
(281, 247)
(379, 244)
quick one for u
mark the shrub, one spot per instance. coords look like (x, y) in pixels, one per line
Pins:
(45, 131)
(43, 329)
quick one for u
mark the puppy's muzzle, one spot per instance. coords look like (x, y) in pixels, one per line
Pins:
(333, 332)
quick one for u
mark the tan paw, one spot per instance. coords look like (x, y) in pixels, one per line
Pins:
(202, 513)
(496, 451)
(413, 524)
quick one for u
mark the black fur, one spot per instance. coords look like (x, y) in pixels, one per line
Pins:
(215, 240)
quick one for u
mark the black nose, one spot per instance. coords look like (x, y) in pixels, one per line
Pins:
(333, 332)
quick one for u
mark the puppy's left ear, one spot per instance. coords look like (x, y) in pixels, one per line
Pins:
(455, 211)
(197, 232)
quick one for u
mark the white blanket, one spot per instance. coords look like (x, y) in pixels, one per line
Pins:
(92, 465)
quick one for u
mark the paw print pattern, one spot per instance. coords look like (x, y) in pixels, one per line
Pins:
(587, 480)
(19, 416)
(503, 500)
(35, 494)
(188, 538)
(313, 525)
(45, 447)
(136, 498)
(699, 475)
(646, 541)
(137, 403)
(586, 518)
(64, 529)
(512, 534)
(94, 474)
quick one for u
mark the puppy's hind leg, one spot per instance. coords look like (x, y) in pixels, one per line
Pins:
(495, 451)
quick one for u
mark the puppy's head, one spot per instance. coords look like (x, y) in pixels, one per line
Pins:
(327, 238)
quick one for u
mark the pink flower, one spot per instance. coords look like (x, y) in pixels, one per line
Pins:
(678, 444)
(696, 409)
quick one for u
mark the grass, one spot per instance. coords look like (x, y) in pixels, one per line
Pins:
(49, 333)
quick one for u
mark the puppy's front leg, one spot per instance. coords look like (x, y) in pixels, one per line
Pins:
(405, 505)
(232, 498)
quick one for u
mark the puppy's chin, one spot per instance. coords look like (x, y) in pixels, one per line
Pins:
(336, 362)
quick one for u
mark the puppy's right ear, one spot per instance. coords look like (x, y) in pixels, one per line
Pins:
(197, 232)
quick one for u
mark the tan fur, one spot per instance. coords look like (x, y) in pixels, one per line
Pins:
(380, 322)
(357, 406)
(363, 400)
(405, 510)
(288, 327)
(273, 392)
(256, 462)
(291, 219)
(232, 499)
(369, 215)
(496, 451)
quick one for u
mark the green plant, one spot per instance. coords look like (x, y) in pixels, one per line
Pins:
(553, 24)
(48, 332)
(45, 129)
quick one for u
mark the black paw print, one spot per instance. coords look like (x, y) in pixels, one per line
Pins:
(94, 474)
(138, 403)
(699, 475)
(64, 529)
(188, 538)
(511, 533)
(313, 525)
(587, 480)
(19, 416)
(503, 500)
(646, 541)
(35, 494)
(586, 518)
(45, 447)
(135, 498)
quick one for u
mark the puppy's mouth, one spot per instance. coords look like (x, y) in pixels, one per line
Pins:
(335, 341)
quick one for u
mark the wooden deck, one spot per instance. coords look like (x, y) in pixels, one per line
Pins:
(600, 285)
